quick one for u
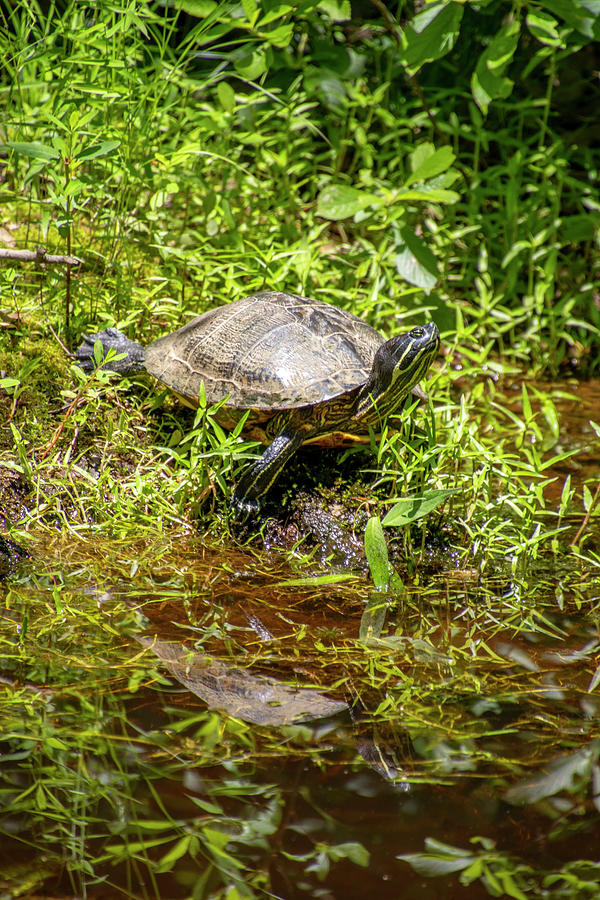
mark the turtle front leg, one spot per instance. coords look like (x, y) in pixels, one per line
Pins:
(259, 476)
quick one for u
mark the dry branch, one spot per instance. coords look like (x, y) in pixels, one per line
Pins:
(39, 256)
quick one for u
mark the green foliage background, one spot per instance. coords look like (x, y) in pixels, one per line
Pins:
(385, 157)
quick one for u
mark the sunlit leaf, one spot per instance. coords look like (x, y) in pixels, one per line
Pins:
(226, 96)
(279, 37)
(251, 10)
(431, 34)
(337, 10)
(509, 886)
(411, 509)
(105, 148)
(428, 194)
(353, 851)
(320, 865)
(433, 164)
(33, 149)
(253, 63)
(217, 839)
(182, 846)
(488, 81)
(544, 27)
(8, 383)
(199, 8)
(377, 555)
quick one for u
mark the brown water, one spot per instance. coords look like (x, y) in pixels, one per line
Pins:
(444, 727)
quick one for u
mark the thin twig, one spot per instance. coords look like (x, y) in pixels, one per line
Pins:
(58, 340)
(39, 256)
(57, 433)
(586, 518)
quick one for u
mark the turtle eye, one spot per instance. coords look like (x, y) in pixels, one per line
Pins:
(418, 332)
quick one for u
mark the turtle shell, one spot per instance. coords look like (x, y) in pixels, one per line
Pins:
(268, 352)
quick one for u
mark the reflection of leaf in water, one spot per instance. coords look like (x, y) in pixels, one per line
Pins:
(253, 698)
(566, 773)
(440, 859)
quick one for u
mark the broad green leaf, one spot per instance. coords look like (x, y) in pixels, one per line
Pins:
(508, 885)
(339, 201)
(74, 187)
(428, 194)
(415, 262)
(199, 8)
(166, 862)
(431, 34)
(353, 851)
(582, 15)
(433, 164)
(54, 742)
(544, 27)
(7, 383)
(433, 864)
(337, 10)
(98, 352)
(252, 64)
(34, 149)
(276, 12)
(377, 555)
(411, 509)
(96, 150)
(279, 37)
(488, 82)
(133, 847)
(226, 96)
(251, 10)
(216, 839)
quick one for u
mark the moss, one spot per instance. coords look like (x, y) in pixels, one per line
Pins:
(42, 369)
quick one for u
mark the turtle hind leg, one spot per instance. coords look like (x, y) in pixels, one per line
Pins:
(259, 476)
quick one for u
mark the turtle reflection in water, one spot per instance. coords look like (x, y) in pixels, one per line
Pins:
(306, 371)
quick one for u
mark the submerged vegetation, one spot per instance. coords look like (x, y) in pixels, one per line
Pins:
(439, 590)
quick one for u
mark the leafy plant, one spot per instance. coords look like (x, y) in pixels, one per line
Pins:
(503, 875)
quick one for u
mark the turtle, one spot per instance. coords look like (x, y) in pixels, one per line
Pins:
(304, 371)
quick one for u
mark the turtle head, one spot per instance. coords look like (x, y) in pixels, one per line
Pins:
(398, 366)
